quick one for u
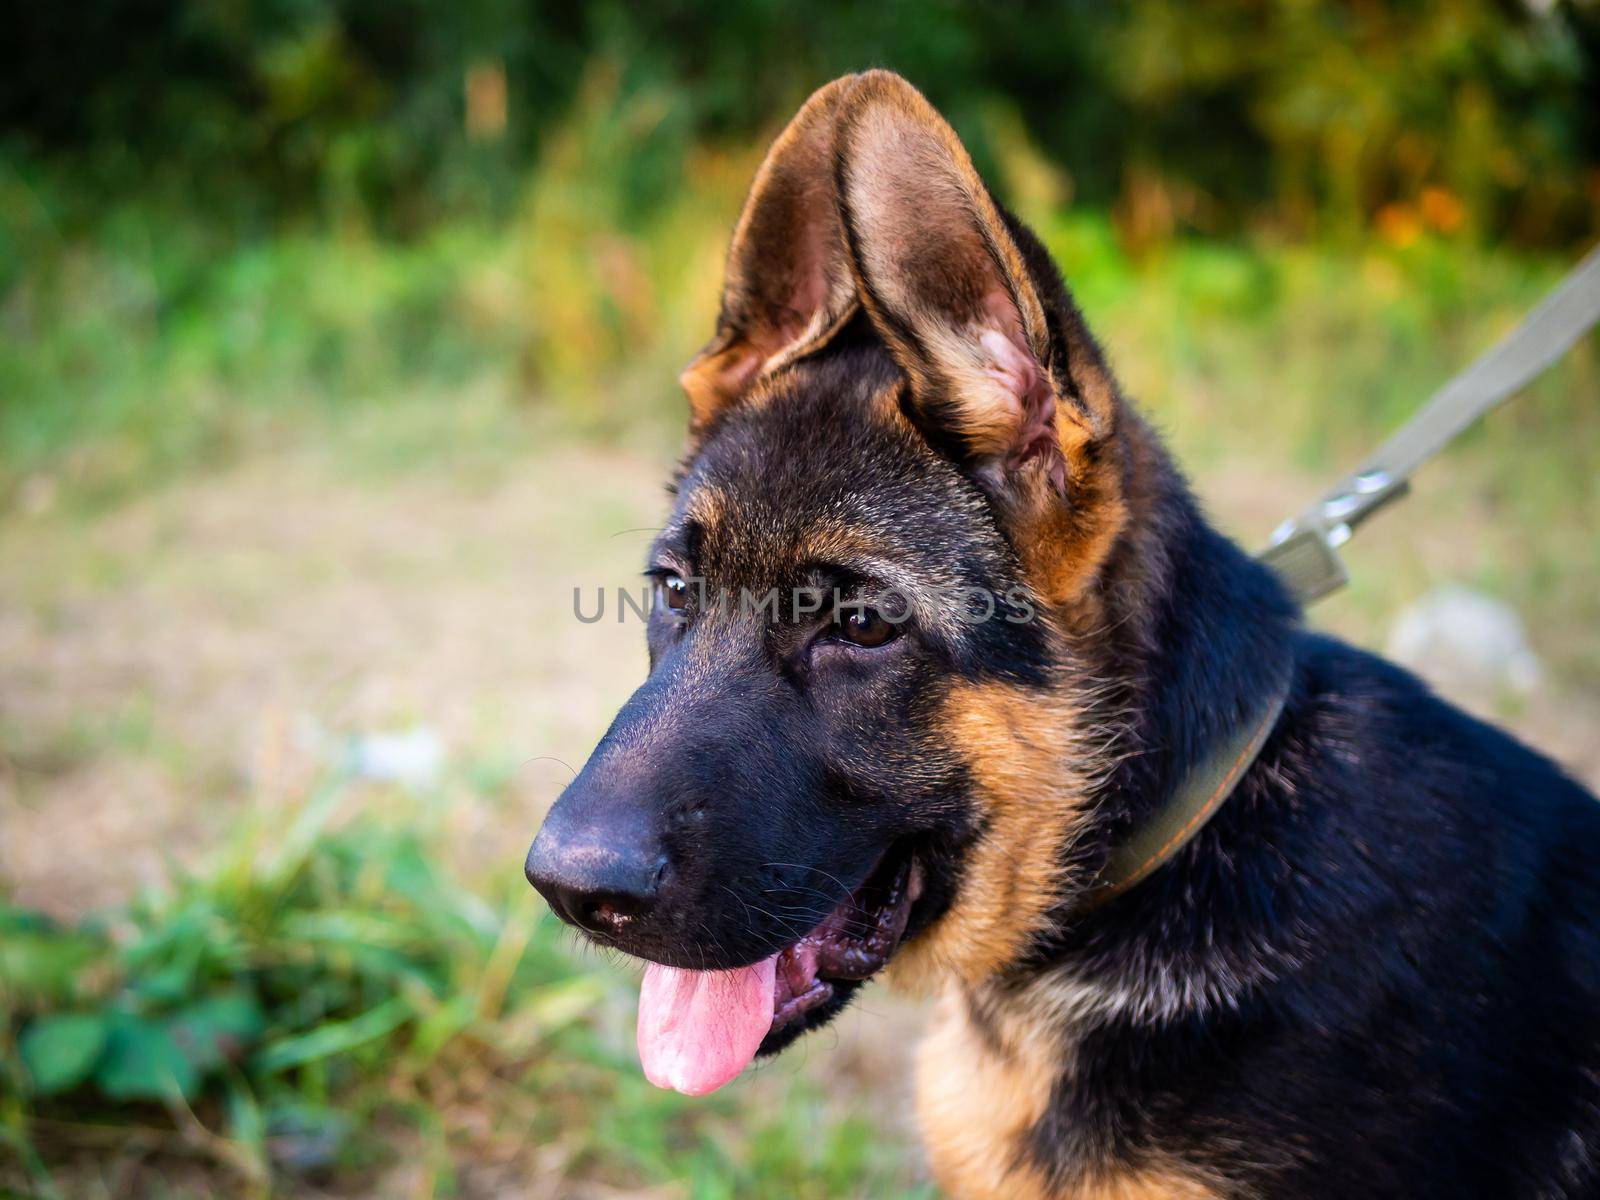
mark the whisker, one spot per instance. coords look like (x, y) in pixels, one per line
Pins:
(528, 762)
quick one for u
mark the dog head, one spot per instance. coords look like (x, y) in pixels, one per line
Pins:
(869, 729)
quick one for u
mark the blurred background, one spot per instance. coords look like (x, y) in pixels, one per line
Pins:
(338, 342)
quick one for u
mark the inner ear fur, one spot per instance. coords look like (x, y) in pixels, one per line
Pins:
(1002, 371)
(788, 287)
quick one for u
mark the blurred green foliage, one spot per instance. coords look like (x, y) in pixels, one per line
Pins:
(216, 213)
(484, 224)
(1203, 115)
(327, 983)
(148, 345)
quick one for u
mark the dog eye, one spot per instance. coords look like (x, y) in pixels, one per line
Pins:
(674, 592)
(866, 627)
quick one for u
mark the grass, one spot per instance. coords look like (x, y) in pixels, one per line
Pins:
(132, 356)
(327, 1005)
(327, 1002)
(144, 341)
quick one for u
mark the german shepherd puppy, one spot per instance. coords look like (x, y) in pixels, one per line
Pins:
(940, 631)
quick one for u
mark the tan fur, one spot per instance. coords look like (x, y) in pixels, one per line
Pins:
(976, 1105)
(869, 197)
(1144, 1185)
(938, 270)
(1065, 546)
(941, 275)
(979, 1097)
(716, 377)
(1030, 775)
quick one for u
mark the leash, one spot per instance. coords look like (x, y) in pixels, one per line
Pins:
(1304, 549)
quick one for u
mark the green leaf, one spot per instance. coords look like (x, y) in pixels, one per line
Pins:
(14, 920)
(218, 1029)
(559, 1004)
(60, 1050)
(163, 987)
(246, 1123)
(334, 1037)
(436, 1029)
(143, 1062)
(47, 963)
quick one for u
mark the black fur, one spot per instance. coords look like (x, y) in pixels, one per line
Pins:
(1411, 897)
(1375, 973)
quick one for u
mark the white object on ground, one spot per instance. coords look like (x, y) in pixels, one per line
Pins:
(1459, 638)
(412, 757)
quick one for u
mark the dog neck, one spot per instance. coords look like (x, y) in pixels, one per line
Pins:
(1199, 650)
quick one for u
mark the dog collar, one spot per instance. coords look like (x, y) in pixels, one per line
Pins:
(1192, 804)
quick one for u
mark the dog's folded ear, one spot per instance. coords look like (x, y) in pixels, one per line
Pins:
(788, 287)
(1004, 375)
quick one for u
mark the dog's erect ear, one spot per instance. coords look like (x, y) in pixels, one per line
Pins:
(947, 284)
(788, 286)
(1003, 373)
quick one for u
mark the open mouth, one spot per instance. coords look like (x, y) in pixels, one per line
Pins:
(699, 1029)
(853, 943)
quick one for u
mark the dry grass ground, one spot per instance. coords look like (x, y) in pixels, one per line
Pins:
(217, 631)
(258, 500)
(208, 645)
(202, 652)
(214, 639)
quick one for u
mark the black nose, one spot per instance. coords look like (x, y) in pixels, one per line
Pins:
(600, 870)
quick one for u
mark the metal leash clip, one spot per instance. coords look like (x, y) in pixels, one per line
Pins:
(1305, 549)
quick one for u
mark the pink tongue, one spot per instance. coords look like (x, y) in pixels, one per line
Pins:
(698, 1029)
